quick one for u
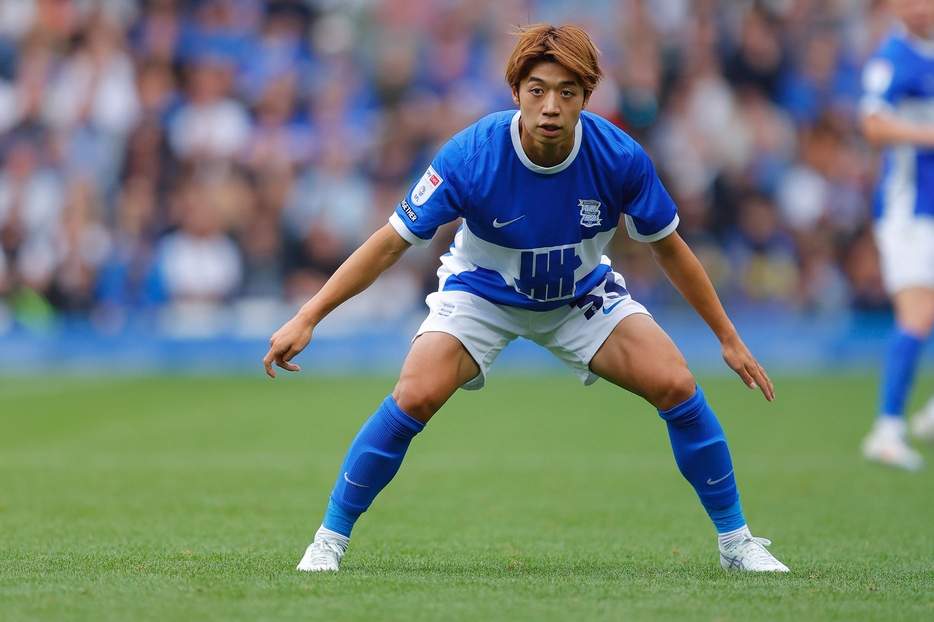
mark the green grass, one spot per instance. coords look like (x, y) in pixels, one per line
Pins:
(534, 499)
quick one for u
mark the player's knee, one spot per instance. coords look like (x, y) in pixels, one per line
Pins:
(415, 400)
(678, 387)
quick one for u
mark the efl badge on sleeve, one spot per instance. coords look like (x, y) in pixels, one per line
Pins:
(426, 186)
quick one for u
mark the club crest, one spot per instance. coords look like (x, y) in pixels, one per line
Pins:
(590, 212)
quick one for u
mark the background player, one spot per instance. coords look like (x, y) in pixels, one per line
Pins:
(541, 192)
(898, 112)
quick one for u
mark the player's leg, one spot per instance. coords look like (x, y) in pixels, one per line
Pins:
(640, 357)
(887, 441)
(906, 254)
(436, 366)
(914, 319)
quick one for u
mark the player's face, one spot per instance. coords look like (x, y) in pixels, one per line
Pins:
(918, 16)
(550, 101)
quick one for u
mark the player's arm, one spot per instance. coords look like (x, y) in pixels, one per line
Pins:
(688, 276)
(362, 268)
(882, 128)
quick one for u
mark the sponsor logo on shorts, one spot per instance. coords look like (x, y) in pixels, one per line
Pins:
(607, 310)
(446, 310)
(590, 212)
(409, 211)
(605, 296)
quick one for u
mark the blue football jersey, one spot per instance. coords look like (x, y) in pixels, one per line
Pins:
(533, 236)
(899, 80)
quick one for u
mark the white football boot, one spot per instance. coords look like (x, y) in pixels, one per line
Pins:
(325, 553)
(922, 425)
(740, 550)
(886, 444)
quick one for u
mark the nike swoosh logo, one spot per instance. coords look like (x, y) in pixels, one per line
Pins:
(710, 482)
(606, 310)
(497, 224)
(352, 483)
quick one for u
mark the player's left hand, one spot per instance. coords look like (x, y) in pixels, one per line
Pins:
(741, 360)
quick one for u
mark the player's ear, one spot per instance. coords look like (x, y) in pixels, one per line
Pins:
(587, 95)
(515, 93)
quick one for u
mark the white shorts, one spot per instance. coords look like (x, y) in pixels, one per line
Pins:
(571, 333)
(906, 252)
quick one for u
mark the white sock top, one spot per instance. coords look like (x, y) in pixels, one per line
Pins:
(732, 536)
(324, 532)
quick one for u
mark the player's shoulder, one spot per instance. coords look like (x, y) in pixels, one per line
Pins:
(898, 48)
(609, 142)
(488, 132)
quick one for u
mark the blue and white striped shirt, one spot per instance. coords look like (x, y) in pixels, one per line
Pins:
(533, 237)
(899, 80)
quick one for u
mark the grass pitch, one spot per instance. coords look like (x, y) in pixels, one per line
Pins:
(534, 499)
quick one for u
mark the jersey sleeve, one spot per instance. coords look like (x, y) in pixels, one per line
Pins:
(435, 199)
(885, 81)
(650, 213)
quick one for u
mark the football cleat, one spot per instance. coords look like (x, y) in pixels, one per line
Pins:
(325, 553)
(749, 554)
(886, 444)
(922, 426)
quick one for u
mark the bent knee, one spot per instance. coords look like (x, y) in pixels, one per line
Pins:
(677, 388)
(416, 400)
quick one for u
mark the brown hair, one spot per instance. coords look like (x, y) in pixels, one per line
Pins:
(567, 45)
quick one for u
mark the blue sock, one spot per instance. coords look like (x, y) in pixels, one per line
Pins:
(371, 462)
(898, 373)
(703, 457)
(339, 520)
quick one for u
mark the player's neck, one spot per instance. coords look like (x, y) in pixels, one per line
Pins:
(542, 154)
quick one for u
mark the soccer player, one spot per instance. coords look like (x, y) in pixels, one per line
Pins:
(540, 192)
(897, 111)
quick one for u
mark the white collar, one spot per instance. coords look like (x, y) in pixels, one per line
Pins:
(532, 166)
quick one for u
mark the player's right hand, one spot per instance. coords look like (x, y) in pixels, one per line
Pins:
(741, 360)
(285, 344)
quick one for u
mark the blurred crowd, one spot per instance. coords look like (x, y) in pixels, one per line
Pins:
(217, 152)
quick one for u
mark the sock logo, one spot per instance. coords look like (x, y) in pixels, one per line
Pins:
(353, 483)
(710, 482)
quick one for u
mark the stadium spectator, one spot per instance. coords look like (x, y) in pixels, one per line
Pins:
(32, 198)
(758, 58)
(328, 214)
(82, 245)
(821, 80)
(199, 262)
(155, 36)
(279, 142)
(122, 279)
(123, 91)
(279, 52)
(93, 104)
(762, 254)
(210, 127)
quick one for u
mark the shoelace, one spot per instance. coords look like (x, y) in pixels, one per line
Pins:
(325, 550)
(758, 553)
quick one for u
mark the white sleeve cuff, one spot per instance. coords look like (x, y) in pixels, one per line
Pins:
(664, 233)
(869, 106)
(403, 231)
